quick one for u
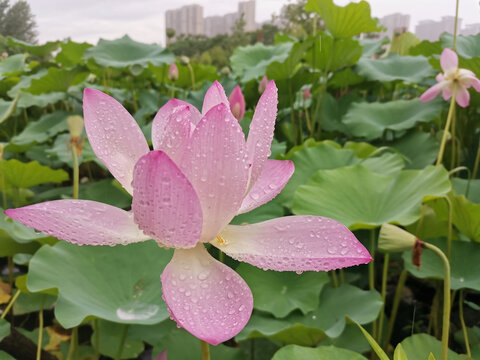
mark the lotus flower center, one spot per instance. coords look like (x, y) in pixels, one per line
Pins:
(221, 240)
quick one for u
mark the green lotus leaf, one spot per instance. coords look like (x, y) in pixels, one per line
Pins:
(12, 64)
(410, 69)
(7, 108)
(419, 347)
(344, 21)
(286, 69)
(4, 329)
(251, 61)
(361, 198)
(23, 175)
(466, 46)
(463, 264)
(271, 210)
(125, 52)
(334, 54)
(402, 43)
(372, 47)
(469, 188)
(17, 231)
(55, 80)
(43, 129)
(372, 120)
(320, 353)
(29, 303)
(119, 284)
(345, 78)
(25, 82)
(465, 215)
(42, 100)
(41, 51)
(328, 320)
(426, 48)
(110, 336)
(420, 149)
(72, 53)
(279, 293)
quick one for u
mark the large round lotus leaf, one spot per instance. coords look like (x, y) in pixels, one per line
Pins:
(27, 99)
(327, 320)
(464, 264)
(25, 82)
(7, 108)
(465, 215)
(279, 293)
(361, 199)
(251, 61)
(309, 158)
(23, 175)
(12, 64)
(426, 48)
(56, 80)
(110, 336)
(124, 52)
(290, 352)
(72, 53)
(119, 284)
(469, 188)
(344, 21)
(420, 148)
(466, 46)
(419, 347)
(410, 69)
(37, 50)
(371, 120)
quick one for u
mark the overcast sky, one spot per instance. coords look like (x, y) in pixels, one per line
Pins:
(143, 20)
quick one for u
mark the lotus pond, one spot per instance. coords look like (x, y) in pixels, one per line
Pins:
(320, 200)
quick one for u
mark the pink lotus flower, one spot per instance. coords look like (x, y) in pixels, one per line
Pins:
(307, 94)
(237, 103)
(185, 193)
(263, 84)
(452, 78)
(173, 72)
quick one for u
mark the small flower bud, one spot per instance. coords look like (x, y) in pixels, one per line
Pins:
(237, 103)
(263, 84)
(75, 126)
(91, 78)
(173, 72)
(394, 239)
(184, 60)
(306, 94)
(225, 71)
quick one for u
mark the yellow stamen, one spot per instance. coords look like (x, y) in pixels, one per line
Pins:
(221, 240)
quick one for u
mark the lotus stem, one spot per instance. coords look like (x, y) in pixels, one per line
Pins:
(96, 329)
(122, 342)
(205, 350)
(334, 279)
(396, 304)
(192, 75)
(386, 262)
(76, 179)
(477, 162)
(446, 298)
(462, 321)
(447, 127)
(450, 227)
(73, 344)
(454, 45)
(342, 276)
(40, 329)
(371, 267)
(10, 304)
(454, 140)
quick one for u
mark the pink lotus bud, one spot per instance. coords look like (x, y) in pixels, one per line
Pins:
(306, 94)
(263, 84)
(4, 54)
(237, 103)
(173, 72)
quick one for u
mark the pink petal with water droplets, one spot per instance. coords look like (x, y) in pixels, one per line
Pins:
(448, 60)
(214, 96)
(237, 103)
(260, 134)
(214, 162)
(165, 205)
(431, 92)
(204, 296)
(114, 135)
(176, 133)
(165, 115)
(294, 243)
(81, 222)
(271, 181)
(463, 96)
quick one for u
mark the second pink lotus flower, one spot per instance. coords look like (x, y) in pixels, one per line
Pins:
(185, 193)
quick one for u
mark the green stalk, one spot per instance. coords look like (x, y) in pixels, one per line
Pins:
(192, 75)
(450, 227)
(454, 141)
(75, 171)
(386, 261)
(454, 46)
(122, 342)
(205, 350)
(96, 329)
(334, 279)
(477, 162)
(396, 304)
(462, 321)
(447, 127)
(446, 298)
(371, 267)
(73, 344)
(40, 330)
(10, 304)
(342, 276)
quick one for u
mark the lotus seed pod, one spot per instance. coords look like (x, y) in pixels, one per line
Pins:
(75, 126)
(394, 239)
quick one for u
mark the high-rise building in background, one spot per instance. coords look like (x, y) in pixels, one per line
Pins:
(186, 20)
(395, 23)
(431, 30)
(189, 20)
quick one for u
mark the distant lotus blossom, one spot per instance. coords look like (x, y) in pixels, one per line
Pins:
(185, 193)
(237, 103)
(307, 94)
(173, 72)
(263, 84)
(452, 78)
